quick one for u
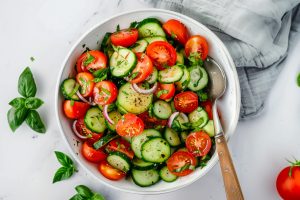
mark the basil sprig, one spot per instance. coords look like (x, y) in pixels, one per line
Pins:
(23, 108)
(67, 170)
(85, 193)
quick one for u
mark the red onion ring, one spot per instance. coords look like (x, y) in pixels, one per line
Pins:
(105, 113)
(171, 119)
(136, 88)
(84, 99)
(76, 132)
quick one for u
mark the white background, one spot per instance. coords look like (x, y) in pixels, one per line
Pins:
(46, 29)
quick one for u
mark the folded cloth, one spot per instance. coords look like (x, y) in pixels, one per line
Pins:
(256, 33)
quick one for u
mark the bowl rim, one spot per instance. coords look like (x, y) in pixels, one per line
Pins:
(233, 124)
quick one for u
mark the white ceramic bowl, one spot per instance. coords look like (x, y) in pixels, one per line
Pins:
(229, 105)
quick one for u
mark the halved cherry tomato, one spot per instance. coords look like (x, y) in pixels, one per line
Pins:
(110, 172)
(75, 109)
(91, 154)
(142, 69)
(84, 131)
(105, 92)
(207, 105)
(120, 145)
(152, 122)
(125, 37)
(186, 101)
(198, 143)
(165, 91)
(85, 80)
(162, 54)
(130, 125)
(176, 30)
(181, 163)
(91, 61)
(197, 44)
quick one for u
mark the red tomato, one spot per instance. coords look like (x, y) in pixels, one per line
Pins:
(91, 61)
(186, 101)
(165, 91)
(85, 80)
(75, 109)
(105, 92)
(152, 122)
(84, 131)
(181, 163)
(120, 145)
(207, 105)
(288, 184)
(198, 143)
(162, 54)
(129, 125)
(124, 38)
(91, 154)
(197, 44)
(176, 30)
(110, 172)
(143, 68)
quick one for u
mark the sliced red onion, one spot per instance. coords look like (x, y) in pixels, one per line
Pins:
(84, 99)
(136, 88)
(76, 132)
(171, 119)
(105, 113)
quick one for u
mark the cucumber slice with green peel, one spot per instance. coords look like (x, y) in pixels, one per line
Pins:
(173, 106)
(153, 77)
(119, 161)
(133, 102)
(209, 128)
(154, 39)
(156, 150)
(137, 141)
(180, 58)
(170, 75)
(122, 62)
(142, 165)
(105, 140)
(94, 120)
(183, 136)
(115, 116)
(183, 83)
(199, 78)
(172, 137)
(121, 109)
(198, 118)
(150, 27)
(145, 178)
(166, 175)
(69, 87)
(140, 46)
(162, 109)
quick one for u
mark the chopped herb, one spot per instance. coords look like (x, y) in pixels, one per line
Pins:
(203, 95)
(83, 46)
(100, 75)
(195, 59)
(89, 59)
(134, 24)
(32, 59)
(173, 35)
(134, 45)
(161, 92)
(118, 28)
(133, 75)
(124, 92)
(106, 91)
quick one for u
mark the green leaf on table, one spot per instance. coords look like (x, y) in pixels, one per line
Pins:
(16, 116)
(17, 102)
(63, 173)
(33, 103)
(97, 196)
(63, 159)
(35, 122)
(84, 191)
(26, 83)
(77, 197)
(298, 80)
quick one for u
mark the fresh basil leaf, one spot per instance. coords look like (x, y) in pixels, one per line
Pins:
(88, 60)
(33, 103)
(77, 197)
(118, 28)
(84, 191)
(63, 159)
(97, 196)
(298, 80)
(16, 116)
(35, 122)
(26, 84)
(63, 173)
(134, 24)
(105, 42)
(17, 102)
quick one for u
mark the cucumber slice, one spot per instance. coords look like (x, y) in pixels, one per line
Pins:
(142, 165)
(156, 150)
(183, 136)
(121, 109)
(105, 140)
(180, 58)
(166, 175)
(122, 62)
(173, 106)
(162, 109)
(69, 88)
(183, 83)
(94, 120)
(172, 137)
(155, 39)
(153, 77)
(115, 116)
(150, 27)
(198, 118)
(199, 78)
(180, 123)
(119, 161)
(170, 75)
(145, 178)
(137, 141)
(140, 46)
(209, 128)
(133, 102)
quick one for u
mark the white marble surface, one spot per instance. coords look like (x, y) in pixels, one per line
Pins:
(46, 29)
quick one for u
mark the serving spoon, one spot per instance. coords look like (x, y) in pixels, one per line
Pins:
(217, 88)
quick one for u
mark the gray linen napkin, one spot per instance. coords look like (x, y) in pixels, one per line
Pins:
(256, 33)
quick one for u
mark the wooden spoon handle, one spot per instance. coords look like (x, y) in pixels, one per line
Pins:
(231, 182)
